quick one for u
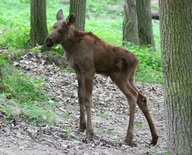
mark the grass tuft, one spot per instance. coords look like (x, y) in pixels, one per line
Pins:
(29, 96)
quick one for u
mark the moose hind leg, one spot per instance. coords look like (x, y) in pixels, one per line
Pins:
(131, 96)
(142, 103)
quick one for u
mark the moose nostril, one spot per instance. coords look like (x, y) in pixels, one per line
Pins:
(49, 42)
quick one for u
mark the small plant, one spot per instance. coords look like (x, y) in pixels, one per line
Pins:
(37, 114)
(165, 152)
(68, 130)
(110, 129)
(69, 70)
(66, 114)
(36, 49)
(8, 109)
(140, 125)
(78, 139)
(103, 114)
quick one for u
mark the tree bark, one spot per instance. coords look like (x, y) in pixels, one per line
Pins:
(78, 7)
(176, 50)
(1, 83)
(144, 19)
(130, 27)
(38, 31)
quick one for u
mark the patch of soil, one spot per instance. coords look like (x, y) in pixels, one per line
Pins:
(110, 116)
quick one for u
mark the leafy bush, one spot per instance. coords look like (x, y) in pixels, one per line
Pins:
(108, 8)
(149, 69)
(15, 38)
(24, 1)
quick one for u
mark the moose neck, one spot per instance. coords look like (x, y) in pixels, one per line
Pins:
(71, 44)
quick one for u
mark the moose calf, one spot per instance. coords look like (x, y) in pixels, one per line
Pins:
(87, 54)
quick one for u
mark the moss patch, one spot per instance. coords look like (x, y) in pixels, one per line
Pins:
(5, 89)
(12, 54)
(56, 58)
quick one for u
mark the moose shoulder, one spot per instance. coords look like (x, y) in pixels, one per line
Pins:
(87, 54)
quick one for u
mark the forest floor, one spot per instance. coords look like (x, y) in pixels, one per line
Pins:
(110, 116)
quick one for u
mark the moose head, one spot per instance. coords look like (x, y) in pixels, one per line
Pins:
(61, 30)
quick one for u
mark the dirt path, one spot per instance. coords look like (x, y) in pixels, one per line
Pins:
(110, 114)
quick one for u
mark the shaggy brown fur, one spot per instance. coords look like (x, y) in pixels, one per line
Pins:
(87, 55)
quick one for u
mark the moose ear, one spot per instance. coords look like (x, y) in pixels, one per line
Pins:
(70, 19)
(59, 15)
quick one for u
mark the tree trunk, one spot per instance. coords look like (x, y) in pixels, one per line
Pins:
(176, 50)
(38, 22)
(144, 19)
(130, 27)
(1, 83)
(0, 74)
(78, 7)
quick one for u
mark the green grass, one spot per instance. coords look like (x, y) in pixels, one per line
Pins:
(29, 96)
(22, 86)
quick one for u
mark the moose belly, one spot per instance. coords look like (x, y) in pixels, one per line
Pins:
(103, 66)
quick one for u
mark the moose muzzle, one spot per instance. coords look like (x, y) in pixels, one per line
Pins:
(49, 42)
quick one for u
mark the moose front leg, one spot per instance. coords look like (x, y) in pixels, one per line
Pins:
(81, 96)
(88, 81)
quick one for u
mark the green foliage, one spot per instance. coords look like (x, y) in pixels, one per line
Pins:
(33, 112)
(105, 19)
(165, 152)
(29, 96)
(14, 20)
(69, 70)
(149, 69)
(58, 49)
(10, 55)
(21, 85)
(103, 114)
(15, 38)
(8, 109)
(109, 8)
(36, 49)
(24, 1)
(109, 31)
(155, 6)
(140, 125)
(110, 129)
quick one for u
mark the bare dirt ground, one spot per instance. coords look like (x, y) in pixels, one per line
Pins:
(110, 116)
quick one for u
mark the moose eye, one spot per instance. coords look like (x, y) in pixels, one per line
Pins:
(61, 31)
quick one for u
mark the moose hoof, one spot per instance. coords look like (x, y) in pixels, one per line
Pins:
(82, 127)
(130, 143)
(89, 134)
(154, 140)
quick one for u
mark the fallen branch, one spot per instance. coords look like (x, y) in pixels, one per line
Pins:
(155, 15)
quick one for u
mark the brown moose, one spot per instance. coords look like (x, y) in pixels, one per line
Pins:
(87, 54)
